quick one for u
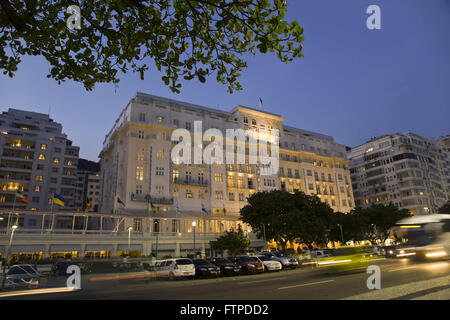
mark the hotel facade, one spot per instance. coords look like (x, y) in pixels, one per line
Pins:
(137, 166)
(405, 169)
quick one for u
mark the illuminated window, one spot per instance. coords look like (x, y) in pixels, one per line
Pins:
(37, 188)
(39, 178)
(140, 173)
(230, 182)
(175, 175)
(56, 160)
(188, 194)
(43, 147)
(41, 157)
(219, 195)
(160, 154)
(218, 177)
(159, 119)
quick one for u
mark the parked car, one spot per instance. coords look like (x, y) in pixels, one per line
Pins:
(205, 269)
(175, 268)
(270, 264)
(249, 264)
(285, 260)
(22, 275)
(227, 267)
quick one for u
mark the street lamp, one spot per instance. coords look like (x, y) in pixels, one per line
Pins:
(129, 238)
(156, 228)
(193, 226)
(13, 228)
(342, 234)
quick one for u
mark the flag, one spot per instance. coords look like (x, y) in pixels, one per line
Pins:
(260, 103)
(154, 209)
(204, 210)
(120, 201)
(58, 199)
(21, 197)
(87, 205)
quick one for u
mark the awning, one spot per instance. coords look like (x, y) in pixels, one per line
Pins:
(65, 247)
(133, 247)
(27, 248)
(190, 246)
(99, 247)
(164, 246)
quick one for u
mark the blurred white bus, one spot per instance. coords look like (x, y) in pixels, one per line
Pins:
(425, 236)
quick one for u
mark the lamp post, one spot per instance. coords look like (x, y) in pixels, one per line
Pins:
(193, 226)
(129, 239)
(156, 226)
(342, 234)
(13, 228)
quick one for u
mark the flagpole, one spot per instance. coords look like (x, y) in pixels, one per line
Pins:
(53, 216)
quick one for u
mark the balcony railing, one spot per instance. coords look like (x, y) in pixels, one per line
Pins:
(201, 183)
(147, 198)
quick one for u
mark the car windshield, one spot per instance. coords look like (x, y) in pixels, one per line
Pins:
(279, 254)
(249, 259)
(222, 261)
(184, 261)
(22, 270)
(263, 258)
(200, 262)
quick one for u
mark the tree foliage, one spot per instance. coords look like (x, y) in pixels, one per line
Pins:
(445, 208)
(372, 223)
(180, 38)
(233, 241)
(288, 217)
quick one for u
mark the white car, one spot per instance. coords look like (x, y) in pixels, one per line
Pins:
(269, 264)
(175, 268)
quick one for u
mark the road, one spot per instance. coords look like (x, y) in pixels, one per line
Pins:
(400, 279)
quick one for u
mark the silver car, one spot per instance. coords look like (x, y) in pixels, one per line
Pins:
(22, 275)
(285, 260)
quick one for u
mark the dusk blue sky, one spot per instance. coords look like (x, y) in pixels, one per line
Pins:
(352, 84)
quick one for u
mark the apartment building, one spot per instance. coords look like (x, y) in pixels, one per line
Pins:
(88, 185)
(36, 159)
(137, 168)
(405, 169)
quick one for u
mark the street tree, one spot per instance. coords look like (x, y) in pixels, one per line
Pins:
(179, 38)
(233, 241)
(376, 221)
(287, 217)
(445, 209)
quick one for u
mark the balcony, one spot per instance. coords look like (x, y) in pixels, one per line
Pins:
(147, 198)
(199, 183)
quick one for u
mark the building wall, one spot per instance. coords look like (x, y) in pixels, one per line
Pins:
(136, 163)
(405, 169)
(37, 159)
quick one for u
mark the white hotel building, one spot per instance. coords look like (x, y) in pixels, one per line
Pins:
(137, 167)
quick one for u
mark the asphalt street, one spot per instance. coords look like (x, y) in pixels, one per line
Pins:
(400, 279)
